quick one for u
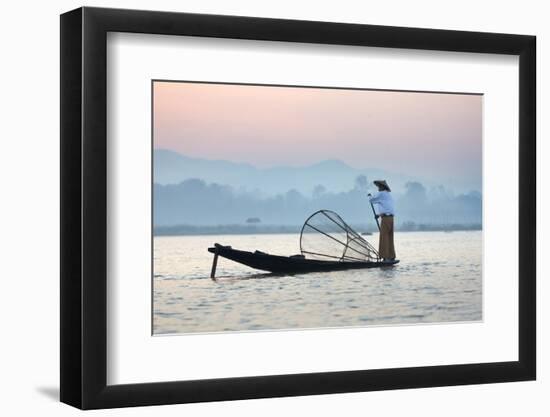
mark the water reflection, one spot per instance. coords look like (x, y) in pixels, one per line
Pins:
(438, 280)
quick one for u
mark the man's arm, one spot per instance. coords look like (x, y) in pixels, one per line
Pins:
(375, 199)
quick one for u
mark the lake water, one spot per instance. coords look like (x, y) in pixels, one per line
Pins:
(438, 280)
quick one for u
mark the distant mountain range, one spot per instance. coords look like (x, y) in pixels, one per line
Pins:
(172, 168)
(194, 192)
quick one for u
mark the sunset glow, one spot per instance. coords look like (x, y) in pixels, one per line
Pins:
(424, 134)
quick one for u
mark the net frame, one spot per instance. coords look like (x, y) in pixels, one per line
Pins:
(355, 247)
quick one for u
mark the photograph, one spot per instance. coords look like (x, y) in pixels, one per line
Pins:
(282, 204)
(282, 207)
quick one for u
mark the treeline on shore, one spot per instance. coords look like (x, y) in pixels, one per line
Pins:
(238, 229)
(197, 203)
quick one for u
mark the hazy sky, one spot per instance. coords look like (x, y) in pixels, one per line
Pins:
(418, 134)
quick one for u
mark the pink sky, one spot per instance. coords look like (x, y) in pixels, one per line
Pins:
(421, 134)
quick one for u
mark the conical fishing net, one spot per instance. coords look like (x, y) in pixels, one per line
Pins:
(325, 236)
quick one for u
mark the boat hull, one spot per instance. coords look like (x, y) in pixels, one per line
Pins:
(288, 264)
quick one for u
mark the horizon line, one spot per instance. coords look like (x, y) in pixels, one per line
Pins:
(272, 166)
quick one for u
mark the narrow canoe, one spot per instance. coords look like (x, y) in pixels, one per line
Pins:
(297, 264)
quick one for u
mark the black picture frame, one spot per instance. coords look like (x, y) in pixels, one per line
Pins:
(84, 207)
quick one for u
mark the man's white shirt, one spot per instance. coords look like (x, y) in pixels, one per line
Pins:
(383, 203)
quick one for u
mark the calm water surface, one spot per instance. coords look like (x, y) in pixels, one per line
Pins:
(438, 280)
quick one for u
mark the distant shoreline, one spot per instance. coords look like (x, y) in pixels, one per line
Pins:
(187, 230)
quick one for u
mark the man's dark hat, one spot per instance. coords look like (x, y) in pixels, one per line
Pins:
(383, 184)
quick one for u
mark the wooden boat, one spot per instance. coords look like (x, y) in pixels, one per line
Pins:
(327, 243)
(297, 264)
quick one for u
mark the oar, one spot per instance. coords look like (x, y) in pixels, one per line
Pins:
(374, 213)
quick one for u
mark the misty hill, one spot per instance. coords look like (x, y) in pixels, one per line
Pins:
(335, 176)
(195, 202)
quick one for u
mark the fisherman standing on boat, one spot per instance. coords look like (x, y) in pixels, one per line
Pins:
(384, 209)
